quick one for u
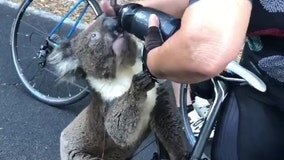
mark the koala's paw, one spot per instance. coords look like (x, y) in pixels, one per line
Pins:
(143, 81)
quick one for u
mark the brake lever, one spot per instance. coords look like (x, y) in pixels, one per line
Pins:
(247, 75)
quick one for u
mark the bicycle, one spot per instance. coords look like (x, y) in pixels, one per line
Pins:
(220, 86)
(32, 39)
(44, 44)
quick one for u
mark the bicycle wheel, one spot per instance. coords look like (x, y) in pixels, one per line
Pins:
(33, 30)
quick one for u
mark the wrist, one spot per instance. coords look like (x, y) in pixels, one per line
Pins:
(153, 64)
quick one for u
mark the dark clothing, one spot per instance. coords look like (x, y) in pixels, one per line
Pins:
(264, 50)
(252, 61)
(267, 18)
(251, 125)
(266, 39)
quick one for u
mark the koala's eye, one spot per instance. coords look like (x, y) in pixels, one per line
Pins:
(95, 36)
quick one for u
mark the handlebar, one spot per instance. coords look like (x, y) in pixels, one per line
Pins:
(133, 18)
(248, 76)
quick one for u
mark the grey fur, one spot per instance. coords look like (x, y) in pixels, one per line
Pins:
(126, 103)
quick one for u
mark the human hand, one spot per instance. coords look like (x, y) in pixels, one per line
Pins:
(153, 40)
(108, 9)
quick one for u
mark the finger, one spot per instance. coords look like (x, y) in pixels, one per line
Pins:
(107, 8)
(153, 38)
(153, 21)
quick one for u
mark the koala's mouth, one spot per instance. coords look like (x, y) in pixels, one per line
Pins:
(118, 33)
(119, 43)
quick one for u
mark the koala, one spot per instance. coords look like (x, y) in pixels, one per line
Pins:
(126, 103)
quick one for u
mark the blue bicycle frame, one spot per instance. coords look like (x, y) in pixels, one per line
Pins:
(96, 9)
(67, 15)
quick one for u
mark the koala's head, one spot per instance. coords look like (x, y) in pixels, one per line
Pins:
(99, 51)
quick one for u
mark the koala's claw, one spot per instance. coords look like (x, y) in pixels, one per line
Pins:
(143, 81)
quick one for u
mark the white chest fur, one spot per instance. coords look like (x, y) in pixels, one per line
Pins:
(111, 89)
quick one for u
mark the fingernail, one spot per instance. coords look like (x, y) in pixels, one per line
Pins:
(153, 20)
(154, 17)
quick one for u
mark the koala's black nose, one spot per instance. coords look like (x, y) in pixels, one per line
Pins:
(110, 24)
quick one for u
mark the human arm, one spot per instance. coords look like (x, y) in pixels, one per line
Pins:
(211, 35)
(176, 8)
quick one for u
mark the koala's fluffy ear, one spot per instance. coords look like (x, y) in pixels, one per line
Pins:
(65, 62)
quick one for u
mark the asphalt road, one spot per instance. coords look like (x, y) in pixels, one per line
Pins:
(29, 129)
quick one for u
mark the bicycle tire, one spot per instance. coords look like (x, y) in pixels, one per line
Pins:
(42, 82)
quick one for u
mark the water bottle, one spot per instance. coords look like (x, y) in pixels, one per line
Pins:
(133, 18)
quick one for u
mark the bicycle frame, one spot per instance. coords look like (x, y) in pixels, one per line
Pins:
(67, 15)
(220, 93)
(97, 10)
(198, 145)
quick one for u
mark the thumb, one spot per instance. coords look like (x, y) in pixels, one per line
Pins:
(153, 21)
(153, 37)
(107, 8)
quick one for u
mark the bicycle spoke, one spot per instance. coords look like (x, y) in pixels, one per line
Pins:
(31, 63)
(68, 90)
(75, 84)
(26, 59)
(35, 28)
(43, 28)
(27, 47)
(45, 78)
(33, 78)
